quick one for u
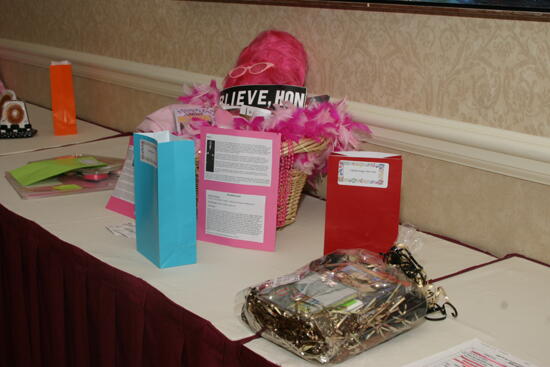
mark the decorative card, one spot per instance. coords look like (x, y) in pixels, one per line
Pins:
(238, 187)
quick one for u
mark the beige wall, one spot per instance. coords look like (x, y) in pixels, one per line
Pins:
(489, 72)
(490, 211)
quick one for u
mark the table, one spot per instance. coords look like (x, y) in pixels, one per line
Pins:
(59, 306)
(71, 207)
(505, 304)
(510, 302)
(41, 120)
(203, 291)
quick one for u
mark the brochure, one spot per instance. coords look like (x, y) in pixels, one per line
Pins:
(122, 198)
(473, 353)
(238, 187)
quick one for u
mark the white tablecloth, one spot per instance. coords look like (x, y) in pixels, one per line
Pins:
(41, 120)
(207, 288)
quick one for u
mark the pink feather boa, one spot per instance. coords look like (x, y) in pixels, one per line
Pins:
(326, 120)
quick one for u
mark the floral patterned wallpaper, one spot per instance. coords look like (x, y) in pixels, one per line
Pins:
(488, 72)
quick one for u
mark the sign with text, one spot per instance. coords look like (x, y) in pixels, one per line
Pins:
(238, 187)
(263, 96)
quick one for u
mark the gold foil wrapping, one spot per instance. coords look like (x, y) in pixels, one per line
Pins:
(337, 306)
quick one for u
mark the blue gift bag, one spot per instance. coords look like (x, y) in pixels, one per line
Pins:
(165, 198)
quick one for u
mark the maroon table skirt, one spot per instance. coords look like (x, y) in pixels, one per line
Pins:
(60, 306)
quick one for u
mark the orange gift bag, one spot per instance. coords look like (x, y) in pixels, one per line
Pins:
(63, 106)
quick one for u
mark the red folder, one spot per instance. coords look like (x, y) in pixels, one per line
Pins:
(363, 197)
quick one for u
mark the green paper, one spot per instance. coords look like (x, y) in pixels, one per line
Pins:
(34, 172)
(67, 187)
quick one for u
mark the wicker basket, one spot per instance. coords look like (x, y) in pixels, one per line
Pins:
(292, 181)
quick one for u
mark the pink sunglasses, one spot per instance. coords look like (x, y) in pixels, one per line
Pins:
(252, 69)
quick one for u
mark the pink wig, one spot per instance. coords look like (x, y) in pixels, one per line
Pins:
(279, 48)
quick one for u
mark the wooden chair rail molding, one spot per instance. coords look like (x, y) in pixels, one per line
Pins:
(413, 7)
(492, 149)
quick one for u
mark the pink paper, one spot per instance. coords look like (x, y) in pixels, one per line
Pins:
(121, 206)
(122, 198)
(238, 187)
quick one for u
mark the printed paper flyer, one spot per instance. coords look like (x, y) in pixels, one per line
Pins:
(473, 353)
(238, 186)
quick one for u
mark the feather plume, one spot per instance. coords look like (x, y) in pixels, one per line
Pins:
(328, 121)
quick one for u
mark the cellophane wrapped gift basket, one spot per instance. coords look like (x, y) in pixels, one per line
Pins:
(309, 131)
(343, 303)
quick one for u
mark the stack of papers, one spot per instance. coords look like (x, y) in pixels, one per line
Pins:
(65, 175)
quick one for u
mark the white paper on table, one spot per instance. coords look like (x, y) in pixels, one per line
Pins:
(127, 230)
(473, 353)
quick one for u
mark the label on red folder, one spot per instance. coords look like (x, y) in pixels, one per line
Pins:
(363, 200)
(367, 174)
